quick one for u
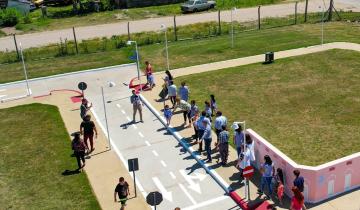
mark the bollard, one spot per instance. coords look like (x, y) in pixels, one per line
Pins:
(259, 24)
(219, 22)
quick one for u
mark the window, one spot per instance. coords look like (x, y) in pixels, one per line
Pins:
(331, 185)
(347, 181)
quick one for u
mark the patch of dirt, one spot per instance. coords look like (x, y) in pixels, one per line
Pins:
(10, 30)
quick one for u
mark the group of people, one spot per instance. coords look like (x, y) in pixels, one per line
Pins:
(85, 145)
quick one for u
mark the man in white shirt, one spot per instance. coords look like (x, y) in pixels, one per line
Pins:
(220, 121)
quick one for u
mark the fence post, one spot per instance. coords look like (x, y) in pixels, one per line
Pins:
(296, 6)
(16, 47)
(259, 24)
(306, 10)
(128, 29)
(76, 45)
(219, 22)
(175, 30)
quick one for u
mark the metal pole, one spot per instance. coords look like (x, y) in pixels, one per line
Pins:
(138, 64)
(106, 121)
(134, 180)
(154, 200)
(296, 5)
(76, 46)
(306, 10)
(128, 29)
(219, 22)
(322, 27)
(25, 71)
(232, 28)
(248, 189)
(175, 30)
(167, 51)
(16, 47)
(259, 24)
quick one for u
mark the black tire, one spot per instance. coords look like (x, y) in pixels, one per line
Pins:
(212, 6)
(195, 10)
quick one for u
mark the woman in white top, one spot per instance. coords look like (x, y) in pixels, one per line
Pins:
(172, 93)
(268, 172)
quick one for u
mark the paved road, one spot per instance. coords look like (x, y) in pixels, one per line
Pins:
(164, 166)
(153, 24)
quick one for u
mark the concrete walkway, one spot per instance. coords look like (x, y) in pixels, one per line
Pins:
(229, 173)
(153, 24)
(104, 167)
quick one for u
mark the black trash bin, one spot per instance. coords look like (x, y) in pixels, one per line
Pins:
(269, 57)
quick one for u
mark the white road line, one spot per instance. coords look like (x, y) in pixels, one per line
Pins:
(141, 135)
(155, 153)
(187, 194)
(163, 163)
(134, 126)
(147, 143)
(118, 105)
(123, 111)
(166, 194)
(128, 118)
(206, 203)
(172, 175)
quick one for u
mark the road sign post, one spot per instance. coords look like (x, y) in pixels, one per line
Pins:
(133, 166)
(248, 172)
(154, 199)
(82, 86)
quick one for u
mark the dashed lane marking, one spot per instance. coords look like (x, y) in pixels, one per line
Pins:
(187, 194)
(155, 153)
(172, 175)
(147, 143)
(163, 163)
(141, 135)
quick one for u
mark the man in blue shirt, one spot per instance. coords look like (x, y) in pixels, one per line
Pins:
(184, 92)
(207, 139)
(299, 180)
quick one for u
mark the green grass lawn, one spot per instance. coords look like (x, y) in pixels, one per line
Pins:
(188, 53)
(62, 17)
(35, 149)
(306, 106)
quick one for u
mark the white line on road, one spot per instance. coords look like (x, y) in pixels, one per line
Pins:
(163, 163)
(147, 143)
(206, 203)
(155, 153)
(134, 126)
(187, 194)
(118, 105)
(128, 118)
(141, 135)
(122, 111)
(167, 194)
(172, 175)
(192, 184)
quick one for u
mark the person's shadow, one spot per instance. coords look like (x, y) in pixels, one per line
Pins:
(70, 172)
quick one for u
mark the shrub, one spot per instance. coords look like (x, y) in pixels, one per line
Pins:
(9, 17)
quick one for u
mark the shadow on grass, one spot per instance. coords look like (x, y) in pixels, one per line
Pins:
(70, 172)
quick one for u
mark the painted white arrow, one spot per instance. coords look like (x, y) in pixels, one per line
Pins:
(166, 194)
(189, 179)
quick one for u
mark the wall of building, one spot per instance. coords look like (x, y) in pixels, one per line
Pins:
(321, 182)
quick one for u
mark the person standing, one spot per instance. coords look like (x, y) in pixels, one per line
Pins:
(223, 144)
(299, 180)
(137, 105)
(184, 92)
(207, 139)
(208, 110)
(168, 78)
(79, 148)
(244, 159)
(279, 178)
(194, 112)
(148, 70)
(84, 108)
(268, 172)
(213, 105)
(172, 93)
(200, 128)
(238, 139)
(185, 107)
(167, 114)
(297, 201)
(122, 189)
(87, 129)
(220, 121)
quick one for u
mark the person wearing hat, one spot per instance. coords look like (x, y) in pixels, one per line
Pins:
(79, 148)
(207, 138)
(137, 105)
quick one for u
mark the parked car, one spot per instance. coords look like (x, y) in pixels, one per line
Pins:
(197, 5)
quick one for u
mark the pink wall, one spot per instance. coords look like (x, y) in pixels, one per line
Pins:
(319, 179)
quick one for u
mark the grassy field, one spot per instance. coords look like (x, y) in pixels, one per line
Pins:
(188, 53)
(302, 105)
(62, 17)
(34, 151)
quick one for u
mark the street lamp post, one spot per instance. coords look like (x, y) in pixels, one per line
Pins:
(137, 60)
(25, 71)
(164, 29)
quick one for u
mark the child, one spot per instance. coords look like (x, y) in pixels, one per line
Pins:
(167, 114)
(213, 105)
(280, 184)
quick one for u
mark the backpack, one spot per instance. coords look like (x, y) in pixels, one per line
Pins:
(124, 189)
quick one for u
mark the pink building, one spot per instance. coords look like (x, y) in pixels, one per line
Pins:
(321, 182)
